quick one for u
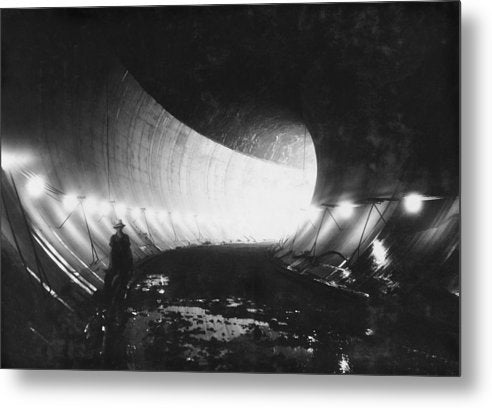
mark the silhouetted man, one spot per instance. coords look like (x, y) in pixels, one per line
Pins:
(120, 260)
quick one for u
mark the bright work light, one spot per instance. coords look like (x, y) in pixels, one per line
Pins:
(413, 203)
(35, 186)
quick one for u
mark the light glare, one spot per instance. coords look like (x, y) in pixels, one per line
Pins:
(12, 160)
(345, 209)
(70, 201)
(413, 203)
(105, 208)
(35, 186)
(120, 210)
(8, 161)
(90, 205)
(136, 212)
(313, 213)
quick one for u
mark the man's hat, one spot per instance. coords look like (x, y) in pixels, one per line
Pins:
(119, 224)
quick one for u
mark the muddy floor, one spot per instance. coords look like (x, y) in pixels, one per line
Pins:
(228, 308)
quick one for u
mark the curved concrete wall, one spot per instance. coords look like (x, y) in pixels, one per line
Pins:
(121, 150)
(131, 159)
(75, 124)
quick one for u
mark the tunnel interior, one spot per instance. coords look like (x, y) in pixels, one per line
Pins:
(256, 140)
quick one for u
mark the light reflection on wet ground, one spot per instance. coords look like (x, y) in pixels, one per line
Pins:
(227, 309)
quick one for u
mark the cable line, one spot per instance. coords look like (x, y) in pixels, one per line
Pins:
(95, 256)
(312, 252)
(29, 232)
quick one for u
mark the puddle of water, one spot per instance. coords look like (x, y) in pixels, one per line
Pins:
(192, 320)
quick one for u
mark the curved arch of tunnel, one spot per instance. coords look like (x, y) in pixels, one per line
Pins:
(75, 136)
(226, 140)
(118, 154)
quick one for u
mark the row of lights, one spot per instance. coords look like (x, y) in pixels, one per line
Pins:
(36, 186)
(105, 208)
(412, 203)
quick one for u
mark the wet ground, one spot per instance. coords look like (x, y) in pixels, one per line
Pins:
(228, 308)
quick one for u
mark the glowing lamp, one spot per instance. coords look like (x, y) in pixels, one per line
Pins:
(413, 203)
(345, 209)
(8, 161)
(11, 161)
(104, 208)
(90, 205)
(35, 186)
(135, 212)
(70, 201)
(120, 210)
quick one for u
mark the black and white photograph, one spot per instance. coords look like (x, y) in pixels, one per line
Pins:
(241, 188)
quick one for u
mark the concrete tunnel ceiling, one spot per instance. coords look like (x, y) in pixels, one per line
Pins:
(348, 74)
(366, 81)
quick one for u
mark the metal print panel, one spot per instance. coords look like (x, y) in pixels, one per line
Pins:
(248, 188)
